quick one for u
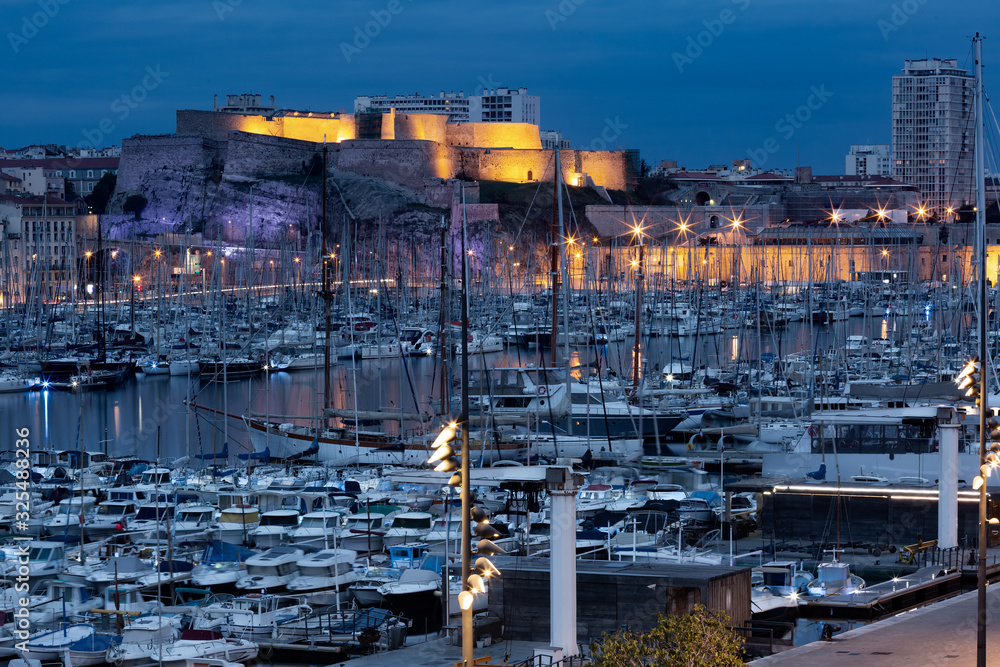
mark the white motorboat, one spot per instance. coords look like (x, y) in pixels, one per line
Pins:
(366, 590)
(316, 528)
(272, 570)
(408, 527)
(141, 636)
(834, 579)
(112, 516)
(203, 644)
(55, 598)
(413, 587)
(69, 514)
(274, 527)
(324, 575)
(254, 615)
(235, 523)
(45, 559)
(193, 520)
(362, 532)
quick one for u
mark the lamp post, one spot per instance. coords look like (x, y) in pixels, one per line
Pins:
(983, 352)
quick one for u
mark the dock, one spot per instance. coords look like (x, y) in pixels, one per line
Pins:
(943, 633)
(926, 585)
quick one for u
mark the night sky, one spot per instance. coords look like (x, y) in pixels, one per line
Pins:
(699, 82)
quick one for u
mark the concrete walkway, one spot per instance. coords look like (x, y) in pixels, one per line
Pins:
(940, 634)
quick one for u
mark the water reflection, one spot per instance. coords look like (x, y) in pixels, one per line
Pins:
(149, 416)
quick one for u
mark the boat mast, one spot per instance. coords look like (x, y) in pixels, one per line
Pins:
(326, 294)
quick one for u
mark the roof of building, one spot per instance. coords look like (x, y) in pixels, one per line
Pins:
(67, 163)
(843, 232)
(28, 200)
(4, 176)
(867, 181)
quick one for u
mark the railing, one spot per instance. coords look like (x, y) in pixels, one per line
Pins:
(547, 661)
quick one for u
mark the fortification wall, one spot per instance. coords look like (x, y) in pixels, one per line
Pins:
(142, 155)
(406, 162)
(494, 135)
(303, 127)
(605, 168)
(474, 212)
(217, 126)
(422, 126)
(257, 156)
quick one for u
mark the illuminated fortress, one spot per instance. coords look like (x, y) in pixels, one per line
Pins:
(406, 148)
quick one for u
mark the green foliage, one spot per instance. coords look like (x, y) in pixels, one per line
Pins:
(97, 200)
(135, 204)
(702, 638)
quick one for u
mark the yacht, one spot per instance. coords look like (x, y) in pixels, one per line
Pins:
(274, 528)
(317, 529)
(272, 570)
(325, 575)
(408, 527)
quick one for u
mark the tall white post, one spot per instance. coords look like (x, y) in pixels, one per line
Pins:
(562, 560)
(948, 486)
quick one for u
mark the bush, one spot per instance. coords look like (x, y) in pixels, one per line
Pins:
(702, 638)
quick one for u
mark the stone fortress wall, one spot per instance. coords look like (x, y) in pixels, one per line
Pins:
(413, 149)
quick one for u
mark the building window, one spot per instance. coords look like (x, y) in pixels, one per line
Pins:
(90, 173)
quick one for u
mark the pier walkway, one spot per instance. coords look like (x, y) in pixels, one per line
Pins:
(943, 634)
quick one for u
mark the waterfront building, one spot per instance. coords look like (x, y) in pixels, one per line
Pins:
(933, 132)
(39, 241)
(60, 176)
(869, 160)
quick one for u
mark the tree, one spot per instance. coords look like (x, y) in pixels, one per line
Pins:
(135, 204)
(97, 200)
(702, 638)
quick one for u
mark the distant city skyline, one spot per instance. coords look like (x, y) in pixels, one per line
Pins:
(782, 82)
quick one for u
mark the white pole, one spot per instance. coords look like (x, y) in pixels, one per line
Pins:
(562, 560)
(948, 487)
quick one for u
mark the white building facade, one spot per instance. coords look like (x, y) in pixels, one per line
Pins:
(869, 160)
(933, 132)
(455, 105)
(495, 105)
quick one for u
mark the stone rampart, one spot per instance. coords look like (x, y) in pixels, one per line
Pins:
(401, 161)
(257, 156)
(605, 168)
(144, 154)
(494, 135)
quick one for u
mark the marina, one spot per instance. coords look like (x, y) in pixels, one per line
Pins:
(412, 380)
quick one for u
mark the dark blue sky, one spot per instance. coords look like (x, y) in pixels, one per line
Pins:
(635, 66)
